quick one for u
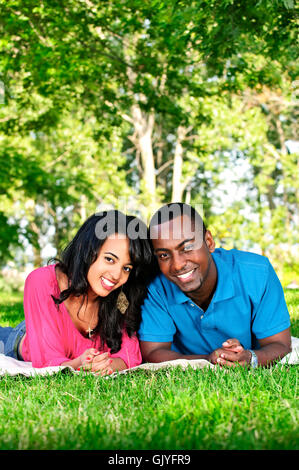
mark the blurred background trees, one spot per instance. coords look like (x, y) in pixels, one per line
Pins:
(132, 104)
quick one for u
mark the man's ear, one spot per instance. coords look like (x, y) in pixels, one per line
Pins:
(210, 241)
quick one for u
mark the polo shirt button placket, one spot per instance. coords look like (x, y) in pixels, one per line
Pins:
(192, 305)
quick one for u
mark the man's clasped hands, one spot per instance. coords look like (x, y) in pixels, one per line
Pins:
(230, 354)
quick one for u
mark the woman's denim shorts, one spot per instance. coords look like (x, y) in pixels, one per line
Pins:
(10, 338)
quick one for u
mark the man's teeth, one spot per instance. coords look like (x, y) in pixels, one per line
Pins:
(109, 283)
(184, 276)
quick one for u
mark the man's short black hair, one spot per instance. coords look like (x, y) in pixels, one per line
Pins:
(173, 210)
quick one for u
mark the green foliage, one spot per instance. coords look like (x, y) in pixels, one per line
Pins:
(217, 78)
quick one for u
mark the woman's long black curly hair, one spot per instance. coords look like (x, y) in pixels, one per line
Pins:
(83, 250)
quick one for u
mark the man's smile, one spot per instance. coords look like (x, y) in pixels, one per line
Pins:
(187, 276)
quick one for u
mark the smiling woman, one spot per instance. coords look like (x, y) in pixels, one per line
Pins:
(73, 313)
(112, 267)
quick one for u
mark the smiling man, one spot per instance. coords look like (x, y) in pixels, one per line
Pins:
(225, 306)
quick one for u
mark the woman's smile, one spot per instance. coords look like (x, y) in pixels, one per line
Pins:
(111, 268)
(107, 284)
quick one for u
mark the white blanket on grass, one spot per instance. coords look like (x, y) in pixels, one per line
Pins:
(12, 367)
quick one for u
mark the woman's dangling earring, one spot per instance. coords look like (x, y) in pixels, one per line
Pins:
(122, 302)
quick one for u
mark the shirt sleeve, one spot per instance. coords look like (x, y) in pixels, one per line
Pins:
(42, 322)
(156, 325)
(271, 315)
(129, 351)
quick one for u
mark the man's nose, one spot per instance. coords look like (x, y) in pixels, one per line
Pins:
(178, 263)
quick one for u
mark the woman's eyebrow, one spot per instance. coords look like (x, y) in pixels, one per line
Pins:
(112, 254)
(109, 253)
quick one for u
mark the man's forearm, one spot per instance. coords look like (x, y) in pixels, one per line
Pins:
(161, 355)
(271, 352)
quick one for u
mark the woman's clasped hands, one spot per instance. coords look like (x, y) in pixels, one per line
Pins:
(98, 363)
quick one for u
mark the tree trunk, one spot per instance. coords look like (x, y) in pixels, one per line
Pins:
(177, 192)
(144, 125)
(82, 209)
(178, 185)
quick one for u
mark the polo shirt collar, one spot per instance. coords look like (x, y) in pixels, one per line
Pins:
(224, 290)
(174, 294)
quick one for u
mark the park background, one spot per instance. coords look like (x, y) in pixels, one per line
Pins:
(131, 104)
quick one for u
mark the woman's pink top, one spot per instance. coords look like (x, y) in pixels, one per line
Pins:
(51, 336)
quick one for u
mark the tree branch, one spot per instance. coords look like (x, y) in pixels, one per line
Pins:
(163, 167)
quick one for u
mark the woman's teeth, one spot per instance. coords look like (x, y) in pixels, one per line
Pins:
(107, 283)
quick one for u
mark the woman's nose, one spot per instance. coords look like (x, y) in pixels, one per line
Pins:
(115, 273)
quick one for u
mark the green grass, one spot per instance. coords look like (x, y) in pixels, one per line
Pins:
(167, 409)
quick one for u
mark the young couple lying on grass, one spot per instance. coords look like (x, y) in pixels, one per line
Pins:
(122, 293)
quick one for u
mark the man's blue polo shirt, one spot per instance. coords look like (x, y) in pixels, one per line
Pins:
(248, 304)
